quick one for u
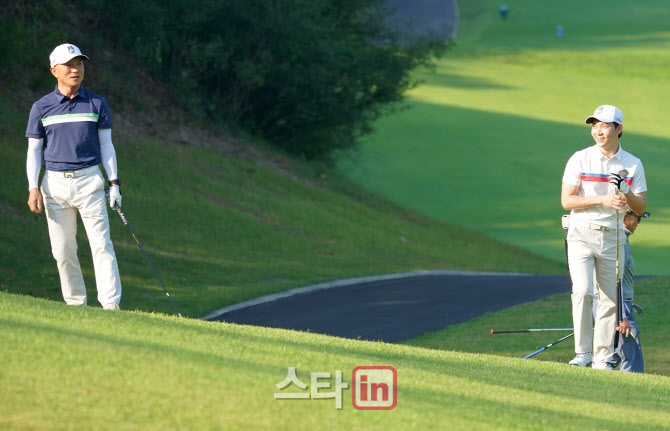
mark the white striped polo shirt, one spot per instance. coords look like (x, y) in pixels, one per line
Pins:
(589, 169)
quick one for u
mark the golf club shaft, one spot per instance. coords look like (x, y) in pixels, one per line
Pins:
(619, 295)
(125, 221)
(513, 331)
(619, 304)
(547, 346)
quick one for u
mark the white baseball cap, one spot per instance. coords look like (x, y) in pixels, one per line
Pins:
(64, 53)
(606, 114)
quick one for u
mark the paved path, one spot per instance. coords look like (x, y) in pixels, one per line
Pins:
(393, 308)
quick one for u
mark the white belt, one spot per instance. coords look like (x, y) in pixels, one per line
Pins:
(73, 174)
(591, 225)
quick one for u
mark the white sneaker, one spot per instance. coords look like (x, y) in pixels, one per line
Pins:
(600, 365)
(582, 360)
(111, 306)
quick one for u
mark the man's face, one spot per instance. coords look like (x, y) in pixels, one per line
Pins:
(631, 222)
(70, 74)
(605, 134)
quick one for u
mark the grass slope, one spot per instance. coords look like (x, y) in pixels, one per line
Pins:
(83, 368)
(485, 141)
(222, 229)
(555, 312)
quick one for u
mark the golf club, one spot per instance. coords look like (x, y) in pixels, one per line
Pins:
(125, 221)
(619, 304)
(547, 346)
(513, 331)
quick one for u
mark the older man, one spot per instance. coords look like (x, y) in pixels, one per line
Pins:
(73, 127)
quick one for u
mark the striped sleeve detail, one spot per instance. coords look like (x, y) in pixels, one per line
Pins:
(69, 118)
(600, 178)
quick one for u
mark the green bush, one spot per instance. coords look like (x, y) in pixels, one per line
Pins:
(310, 76)
(27, 39)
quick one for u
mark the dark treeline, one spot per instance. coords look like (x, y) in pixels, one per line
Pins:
(309, 75)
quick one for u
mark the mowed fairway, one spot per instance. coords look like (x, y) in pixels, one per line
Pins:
(486, 137)
(67, 368)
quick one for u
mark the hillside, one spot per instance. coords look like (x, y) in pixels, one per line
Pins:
(499, 117)
(83, 368)
(225, 219)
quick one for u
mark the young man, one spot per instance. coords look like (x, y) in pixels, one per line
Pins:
(73, 126)
(597, 195)
(629, 347)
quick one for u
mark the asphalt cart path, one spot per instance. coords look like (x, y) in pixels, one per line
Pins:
(395, 307)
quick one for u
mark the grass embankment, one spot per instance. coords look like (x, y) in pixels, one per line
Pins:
(84, 368)
(555, 312)
(220, 229)
(485, 141)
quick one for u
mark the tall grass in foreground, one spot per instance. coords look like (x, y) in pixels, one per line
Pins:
(83, 368)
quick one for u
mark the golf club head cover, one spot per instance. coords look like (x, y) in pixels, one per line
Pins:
(619, 182)
(115, 196)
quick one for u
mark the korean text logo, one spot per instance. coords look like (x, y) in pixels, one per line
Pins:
(372, 388)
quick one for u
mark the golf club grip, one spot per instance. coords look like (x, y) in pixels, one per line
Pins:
(547, 346)
(535, 353)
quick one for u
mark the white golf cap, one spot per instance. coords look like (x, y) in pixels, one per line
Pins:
(64, 53)
(606, 114)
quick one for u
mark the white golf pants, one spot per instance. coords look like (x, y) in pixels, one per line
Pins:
(63, 199)
(592, 261)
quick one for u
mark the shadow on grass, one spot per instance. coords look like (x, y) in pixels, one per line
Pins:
(507, 169)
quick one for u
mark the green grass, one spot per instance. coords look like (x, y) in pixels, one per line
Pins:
(485, 141)
(555, 312)
(220, 229)
(84, 368)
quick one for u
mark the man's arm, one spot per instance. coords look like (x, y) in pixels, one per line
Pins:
(107, 153)
(572, 201)
(637, 202)
(33, 166)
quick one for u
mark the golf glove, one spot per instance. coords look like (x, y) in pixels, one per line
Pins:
(115, 196)
(619, 182)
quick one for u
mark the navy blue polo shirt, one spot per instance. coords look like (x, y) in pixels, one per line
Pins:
(69, 128)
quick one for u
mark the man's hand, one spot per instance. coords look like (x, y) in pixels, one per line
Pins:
(35, 201)
(624, 327)
(616, 201)
(619, 182)
(115, 196)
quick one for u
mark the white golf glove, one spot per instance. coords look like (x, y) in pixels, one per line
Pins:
(115, 196)
(619, 182)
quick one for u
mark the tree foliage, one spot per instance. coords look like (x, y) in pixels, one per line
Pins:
(311, 76)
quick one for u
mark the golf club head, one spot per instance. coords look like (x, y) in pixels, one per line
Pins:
(639, 310)
(623, 174)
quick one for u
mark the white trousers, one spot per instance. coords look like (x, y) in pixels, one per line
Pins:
(592, 261)
(63, 199)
